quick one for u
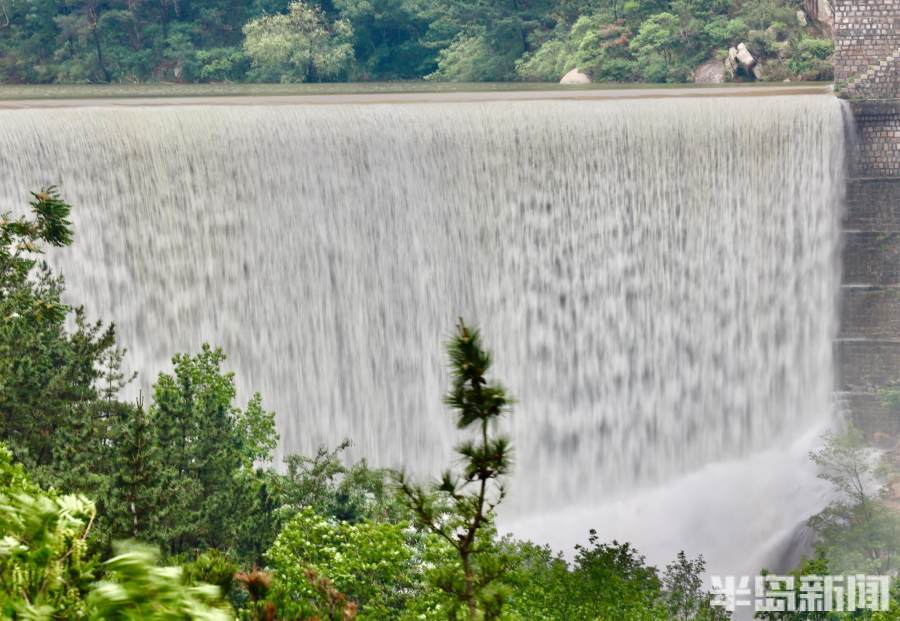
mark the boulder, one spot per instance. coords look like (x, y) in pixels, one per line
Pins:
(731, 63)
(757, 72)
(801, 19)
(710, 72)
(745, 57)
(575, 77)
(820, 12)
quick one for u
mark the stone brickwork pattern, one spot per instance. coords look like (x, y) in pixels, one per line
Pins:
(867, 71)
(877, 139)
(867, 48)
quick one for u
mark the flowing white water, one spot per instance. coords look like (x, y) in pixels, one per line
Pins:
(657, 280)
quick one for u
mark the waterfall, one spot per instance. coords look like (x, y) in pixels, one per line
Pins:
(657, 279)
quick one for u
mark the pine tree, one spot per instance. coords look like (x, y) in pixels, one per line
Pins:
(209, 447)
(136, 477)
(461, 508)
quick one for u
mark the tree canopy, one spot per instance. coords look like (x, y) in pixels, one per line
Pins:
(95, 41)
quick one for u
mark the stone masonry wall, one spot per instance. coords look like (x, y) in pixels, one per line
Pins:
(867, 72)
(867, 48)
(877, 152)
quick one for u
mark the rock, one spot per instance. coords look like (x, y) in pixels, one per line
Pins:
(710, 72)
(821, 12)
(801, 19)
(575, 77)
(757, 72)
(731, 63)
(745, 57)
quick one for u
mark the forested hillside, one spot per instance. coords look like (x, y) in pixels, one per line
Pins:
(96, 41)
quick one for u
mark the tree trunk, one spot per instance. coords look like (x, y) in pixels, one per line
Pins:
(103, 68)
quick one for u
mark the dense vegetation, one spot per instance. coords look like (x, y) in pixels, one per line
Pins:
(91, 41)
(84, 475)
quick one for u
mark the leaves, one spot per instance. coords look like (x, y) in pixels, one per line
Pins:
(300, 46)
(138, 589)
(321, 564)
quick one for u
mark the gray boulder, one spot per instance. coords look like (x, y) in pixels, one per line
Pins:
(710, 72)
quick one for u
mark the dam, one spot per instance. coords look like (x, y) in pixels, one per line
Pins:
(678, 285)
(657, 278)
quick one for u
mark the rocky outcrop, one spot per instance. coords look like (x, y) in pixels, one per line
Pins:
(710, 72)
(745, 57)
(731, 63)
(575, 77)
(740, 58)
(821, 12)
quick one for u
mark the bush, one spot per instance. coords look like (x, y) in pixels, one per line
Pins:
(811, 59)
(321, 565)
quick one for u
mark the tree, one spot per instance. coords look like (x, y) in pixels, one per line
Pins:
(210, 450)
(50, 378)
(347, 493)
(656, 44)
(857, 532)
(683, 594)
(136, 489)
(461, 507)
(387, 39)
(299, 46)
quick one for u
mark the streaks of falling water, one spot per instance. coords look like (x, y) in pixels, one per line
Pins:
(657, 278)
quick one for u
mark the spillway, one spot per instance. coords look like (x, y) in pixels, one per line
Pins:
(656, 278)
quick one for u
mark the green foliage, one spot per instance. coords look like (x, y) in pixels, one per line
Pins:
(470, 58)
(683, 594)
(811, 58)
(325, 484)
(300, 46)
(50, 378)
(656, 45)
(211, 567)
(44, 563)
(461, 509)
(616, 583)
(858, 532)
(606, 581)
(665, 41)
(388, 39)
(210, 447)
(321, 564)
(463, 40)
(593, 45)
(47, 570)
(136, 589)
